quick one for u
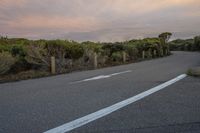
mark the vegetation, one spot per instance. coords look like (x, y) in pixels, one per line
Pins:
(185, 45)
(19, 56)
(194, 72)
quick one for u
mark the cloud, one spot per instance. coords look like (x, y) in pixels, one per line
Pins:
(104, 18)
(10, 3)
(61, 23)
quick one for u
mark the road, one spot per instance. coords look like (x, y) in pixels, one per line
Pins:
(39, 105)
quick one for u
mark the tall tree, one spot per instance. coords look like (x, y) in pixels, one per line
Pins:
(164, 38)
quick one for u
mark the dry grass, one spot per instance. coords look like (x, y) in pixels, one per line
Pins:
(194, 72)
(23, 76)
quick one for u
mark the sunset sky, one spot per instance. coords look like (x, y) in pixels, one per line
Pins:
(98, 20)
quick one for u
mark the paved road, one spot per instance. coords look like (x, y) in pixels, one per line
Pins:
(35, 106)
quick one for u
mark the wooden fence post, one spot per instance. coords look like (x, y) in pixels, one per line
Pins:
(149, 54)
(124, 56)
(95, 60)
(166, 52)
(161, 53)
(154, 53)
(53, 65)
(143, 54)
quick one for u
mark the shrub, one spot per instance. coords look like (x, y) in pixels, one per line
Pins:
(112, 48)
(197, 43)
(132, 51)
(5, 47)
(7, 61)
(64, 49)
(91, 46)
(194, 72)
(117, 56)
(18, 50)
(74, 51)
(37, 55)
(183, 45)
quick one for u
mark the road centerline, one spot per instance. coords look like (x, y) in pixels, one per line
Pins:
(101, 77)
(108, 110)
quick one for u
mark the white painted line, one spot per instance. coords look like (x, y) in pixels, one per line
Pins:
(103, 112)
(114, 74)
(101, 77)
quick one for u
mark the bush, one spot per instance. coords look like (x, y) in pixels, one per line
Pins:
(197, 43)
(5, 48)
(132, 51)
(112, 48)
(64, 49)
(117, 56)
(91, 46)
(74, 51)
(7, 61)
(18, 50)
(37, 55)
(194, 72)
(183, 45)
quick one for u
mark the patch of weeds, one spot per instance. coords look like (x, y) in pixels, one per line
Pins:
(194, 72)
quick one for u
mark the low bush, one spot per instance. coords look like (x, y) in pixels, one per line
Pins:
(185, 45)
(194, 72)
(6, 62)
(132, 52)
(116, 57)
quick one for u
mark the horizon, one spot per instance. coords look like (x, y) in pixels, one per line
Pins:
(65, 39)
(99, 20)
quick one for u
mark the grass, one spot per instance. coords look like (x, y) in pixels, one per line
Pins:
(194, 72)
(23, 76)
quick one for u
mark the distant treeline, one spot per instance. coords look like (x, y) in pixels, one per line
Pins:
(185, 45)
(19, 55)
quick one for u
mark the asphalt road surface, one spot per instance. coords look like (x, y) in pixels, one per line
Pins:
(39, 105)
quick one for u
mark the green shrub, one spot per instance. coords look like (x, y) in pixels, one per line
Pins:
(132, 51)
(18, 50)
(74, 51)
(91, 46)
(194, 72)
(182, 45)
(117, 56)
(37, 55)
(112, 48)
(6, 62)
(64, 49)
(197, 43)
(5, 48)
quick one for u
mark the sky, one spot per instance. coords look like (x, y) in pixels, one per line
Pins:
(98, 20)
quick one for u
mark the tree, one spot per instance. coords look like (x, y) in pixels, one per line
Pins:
(164, 38)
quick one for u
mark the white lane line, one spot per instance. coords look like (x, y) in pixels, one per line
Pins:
(101, 77)
(103, 112)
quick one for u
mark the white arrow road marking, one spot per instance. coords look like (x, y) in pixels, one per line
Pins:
(101, 77)
(103, 112)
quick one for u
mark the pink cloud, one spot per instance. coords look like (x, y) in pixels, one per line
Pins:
(9, 3)
(48, 22)
(145, 6)
(25, 17)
